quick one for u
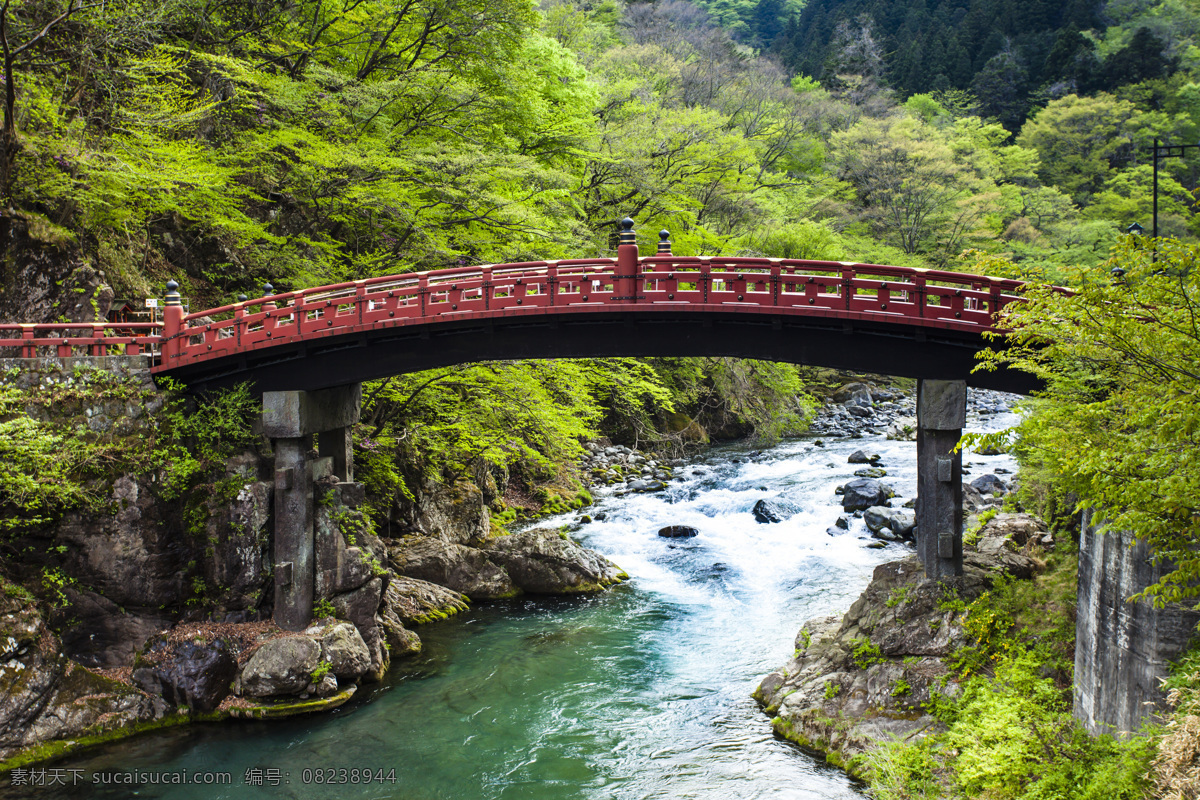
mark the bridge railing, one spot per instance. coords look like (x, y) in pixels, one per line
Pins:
(919, 296)
(66, 339)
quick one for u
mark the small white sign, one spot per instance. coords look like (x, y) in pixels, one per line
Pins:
(151, 302)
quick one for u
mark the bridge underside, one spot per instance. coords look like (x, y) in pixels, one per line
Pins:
(900, 349)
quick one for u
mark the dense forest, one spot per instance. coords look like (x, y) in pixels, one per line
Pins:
(228, 143)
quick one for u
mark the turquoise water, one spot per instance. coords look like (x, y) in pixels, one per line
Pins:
(642, 692)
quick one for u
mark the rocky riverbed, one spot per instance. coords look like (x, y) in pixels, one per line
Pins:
(869, 676)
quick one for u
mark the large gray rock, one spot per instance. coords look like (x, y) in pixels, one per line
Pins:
(464, 569)
(541, 561)
(238, 537)
(400, 640)
(416, 602)
(678, 532)
(196, 675)
(96, 632)
(899, 523)
(455, 513)
(776, 510)
(990, 484)
(858, 394)
(343, 648)
(282, 666)
(829, 699)
(862, 493)
(44, 696)
(361, 607)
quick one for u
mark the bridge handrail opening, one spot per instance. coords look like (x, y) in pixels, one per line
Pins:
(95, 338)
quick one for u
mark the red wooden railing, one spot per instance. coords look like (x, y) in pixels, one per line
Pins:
(66, 339)
(905, 295)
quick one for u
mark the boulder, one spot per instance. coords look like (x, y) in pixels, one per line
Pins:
(972, 499)
(990, 484)
(541, 561)
(343, 648)
(96, 632)
(400, 640)
(282, 666)
(196, 675)
(853, 394)
(870, 472)
(862, 493)
(776, 510)
(361, 607)
(237, 534)
(415, 602)
(44, 696)
(898, 522)
(461, 568)
(903, 429)
(678, 532)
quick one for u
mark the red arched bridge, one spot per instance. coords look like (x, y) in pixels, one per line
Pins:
(903, 321)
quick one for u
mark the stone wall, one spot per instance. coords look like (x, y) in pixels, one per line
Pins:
(1122, 648)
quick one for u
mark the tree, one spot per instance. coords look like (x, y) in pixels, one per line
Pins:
(1080, 140)
(30, 38)
(914, 188)
(1118, 424)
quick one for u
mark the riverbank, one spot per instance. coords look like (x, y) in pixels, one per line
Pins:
(451, 529)
(963, 688)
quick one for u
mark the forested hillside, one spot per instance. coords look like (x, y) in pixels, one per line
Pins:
(1014, 56)
(233, 142)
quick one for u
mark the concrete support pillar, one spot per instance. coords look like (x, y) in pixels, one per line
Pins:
(338, 444)
(291, 419)
(293, 533)
(941, 416)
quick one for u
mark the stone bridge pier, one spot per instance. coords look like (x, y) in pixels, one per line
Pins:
(291, 419)
(941, 416)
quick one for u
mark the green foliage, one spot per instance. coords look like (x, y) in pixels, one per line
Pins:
(898, 595)
(832, 690)
(1118, 420)
(198, 435)
(865, 653)
(323, 609)
(1010, 733)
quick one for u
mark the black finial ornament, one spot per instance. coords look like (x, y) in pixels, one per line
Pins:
(241, 298)
(627, 234)
(664, 242)
(268, 290)
(173, 293)
(1118, 275)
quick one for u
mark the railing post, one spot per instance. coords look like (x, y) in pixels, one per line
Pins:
(627, 264)
(239, 316)
(95, 349)
(172, 342)
(28, 350)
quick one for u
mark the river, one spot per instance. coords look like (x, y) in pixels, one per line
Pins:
(641, 692)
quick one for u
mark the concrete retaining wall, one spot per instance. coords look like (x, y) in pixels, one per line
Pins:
(1122, 649)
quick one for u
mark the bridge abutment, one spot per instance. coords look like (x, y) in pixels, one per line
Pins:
(291, 419)
(941, 416)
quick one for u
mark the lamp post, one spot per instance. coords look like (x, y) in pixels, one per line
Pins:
(1162, 151)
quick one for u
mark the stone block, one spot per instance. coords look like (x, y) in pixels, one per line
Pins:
(942, 405)
(290, 415)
